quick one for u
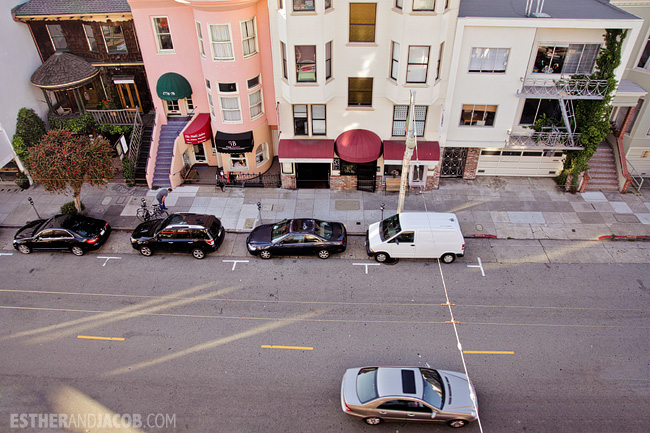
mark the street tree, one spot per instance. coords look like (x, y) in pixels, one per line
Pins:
(63, 161)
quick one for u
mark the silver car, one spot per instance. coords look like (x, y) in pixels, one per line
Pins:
(379, 394)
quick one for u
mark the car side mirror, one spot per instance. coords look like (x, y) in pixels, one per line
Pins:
(397, 241)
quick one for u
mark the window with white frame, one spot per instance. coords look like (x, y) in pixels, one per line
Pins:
(163, 34)
(56, 36)
(285, 70)
(238, 162)
(199, 36)
(534, 108)
(566, 58)
(399, 4)
(318, 120)
(362, 22)
(255, 104)
(262, 153)
(248, 39)
(424, 5)
(394, 64)
(490, 60)
(230, 109)
(305, 63)
(441, 52)
(90, 37)
(328, 60)
(478, 115)
(303, 5)
(227, 87)
(418, 64)
(400, 116)
(253, 82)
(359, 92)
(328, 4)
(645, 56)
(211, 103)
(114, 39)
(221, 42)
(300, 120)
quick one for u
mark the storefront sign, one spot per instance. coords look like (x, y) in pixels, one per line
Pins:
(234, 143)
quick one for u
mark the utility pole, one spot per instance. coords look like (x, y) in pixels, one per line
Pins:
(408, 152)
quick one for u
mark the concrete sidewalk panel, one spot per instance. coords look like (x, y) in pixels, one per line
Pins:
(518, 251)
(577, 252)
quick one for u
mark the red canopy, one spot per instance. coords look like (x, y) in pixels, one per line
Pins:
(425, 151)
(358, 146)
(306, 149)
(199, 130)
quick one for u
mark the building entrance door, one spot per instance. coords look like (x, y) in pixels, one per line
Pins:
(453, 162)
(128, 92)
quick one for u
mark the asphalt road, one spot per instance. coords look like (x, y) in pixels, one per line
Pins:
(549, 345)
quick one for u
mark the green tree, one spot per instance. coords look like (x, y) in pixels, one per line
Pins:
(62, 161)
(29, 126)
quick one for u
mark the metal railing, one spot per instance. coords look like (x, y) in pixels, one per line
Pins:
(544, 139)
(566, 88)
(637, 179)
(124, 117)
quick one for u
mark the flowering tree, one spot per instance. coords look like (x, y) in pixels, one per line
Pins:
(63, 161)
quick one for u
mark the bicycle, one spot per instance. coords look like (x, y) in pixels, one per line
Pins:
(145, 214)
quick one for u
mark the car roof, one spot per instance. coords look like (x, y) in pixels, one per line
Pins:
(439, 220)
(192, 219)
(399, 381)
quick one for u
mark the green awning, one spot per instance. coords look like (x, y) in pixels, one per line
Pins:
(172, 87)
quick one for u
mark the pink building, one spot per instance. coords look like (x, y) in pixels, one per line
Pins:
(210, 73)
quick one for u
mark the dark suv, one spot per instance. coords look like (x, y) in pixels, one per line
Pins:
(180, 232)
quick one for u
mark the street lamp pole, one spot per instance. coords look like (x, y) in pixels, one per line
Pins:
(408, 152)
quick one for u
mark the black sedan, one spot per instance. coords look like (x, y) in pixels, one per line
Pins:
(76, 233)
(297, 237)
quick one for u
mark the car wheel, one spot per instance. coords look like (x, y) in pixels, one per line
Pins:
(146, 251)
(381, 257)
(265, 254)
(457, 423)
(77, 250)
(448, 258)
(24, 249)
(323, 254)
(198, 253)
(373, 421)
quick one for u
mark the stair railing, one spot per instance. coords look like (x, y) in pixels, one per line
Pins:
(637, 179)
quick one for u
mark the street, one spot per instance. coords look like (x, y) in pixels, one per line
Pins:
(233, 343)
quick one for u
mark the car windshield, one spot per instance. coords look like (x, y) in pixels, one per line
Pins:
(280, 229)
(82, 227)
(389, 227)
(367, 384)
(323, 229)
(434, 393)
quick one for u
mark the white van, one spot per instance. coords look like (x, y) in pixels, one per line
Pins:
(424, 235)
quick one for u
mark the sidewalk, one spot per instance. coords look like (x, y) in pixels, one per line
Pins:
(504, 208)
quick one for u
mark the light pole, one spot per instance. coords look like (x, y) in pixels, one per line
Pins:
(408, 152)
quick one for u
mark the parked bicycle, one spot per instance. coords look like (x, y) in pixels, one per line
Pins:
(145, 214)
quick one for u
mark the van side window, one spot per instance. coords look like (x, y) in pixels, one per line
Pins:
(405, 237)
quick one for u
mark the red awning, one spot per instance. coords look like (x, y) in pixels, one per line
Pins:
(199, 130)
(358, 146)
(425, 151)
(314, 150)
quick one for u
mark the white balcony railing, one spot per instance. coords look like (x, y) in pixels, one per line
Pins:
(544, 140)
(566, 88)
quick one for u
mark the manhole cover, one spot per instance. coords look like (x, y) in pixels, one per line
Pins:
(347, 205)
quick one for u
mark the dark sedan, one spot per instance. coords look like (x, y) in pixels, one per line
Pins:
(297, 237)
(76, 233)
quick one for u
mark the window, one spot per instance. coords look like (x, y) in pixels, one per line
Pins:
(114, 39)
(394, 65)
(362, 22)
(210, 101)
(566, 59)
(173, 106)
(400, 115)
(328, 60)
(262, 154)
(418, 64)
(489, 59)
(306, 63)
(533, 108)
(163, 34)
(300, 121)
(399, 4)
(360, 92)
(253, 82)
(446, 4)
(255, 103)
(90, 37)
(227, 87)
(478, 115)
(318, 120)
(439, 64)
(199, 36)
(403, 237)
(249, 41)
(637, 110)
(221, 42)
(238, 162)
(56, 35)
(285, 70)
(643, 61)
(328, 4)
(303, 5)
(230, 112)
(424, 5)
(190, 104)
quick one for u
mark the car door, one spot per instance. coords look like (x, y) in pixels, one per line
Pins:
(402, 245)
(291, 245)
(164, 239)
(404, 410)
(49, 239)
(181, 240)
(313, 244)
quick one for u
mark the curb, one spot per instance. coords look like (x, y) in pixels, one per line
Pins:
(624, 237)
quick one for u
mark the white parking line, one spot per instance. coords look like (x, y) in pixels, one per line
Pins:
(6, 254)
(108, 258)
(366, 265)
(234, 262)
(480, 265)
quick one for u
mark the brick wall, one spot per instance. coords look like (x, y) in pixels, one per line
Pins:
(343, 182)
(471, 163)
(288, 181)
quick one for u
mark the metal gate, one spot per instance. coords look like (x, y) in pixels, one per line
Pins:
(453, 162)
(367, 176)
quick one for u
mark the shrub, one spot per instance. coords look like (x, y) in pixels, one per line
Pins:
(69, 208)
(128, 170)
(79, 125)
(22, 180)
(29, 126)
(20, 147)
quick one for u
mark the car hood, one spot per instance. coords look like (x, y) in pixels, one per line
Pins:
(457, 392)
(145, 229)
(27, 231)
(261, 234)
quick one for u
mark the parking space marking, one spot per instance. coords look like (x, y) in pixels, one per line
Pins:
(480, 265)
(267, 346)
(489, 352)
(108, 258)
(6, 254)
(234, 262)
(366, 265)
(88, 337)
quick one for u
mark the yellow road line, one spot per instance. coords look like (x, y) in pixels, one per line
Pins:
(265, 346)
(88, 337)
(490, 352)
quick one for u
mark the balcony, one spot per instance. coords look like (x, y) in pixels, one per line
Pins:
(563, 88)
(544, 140)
